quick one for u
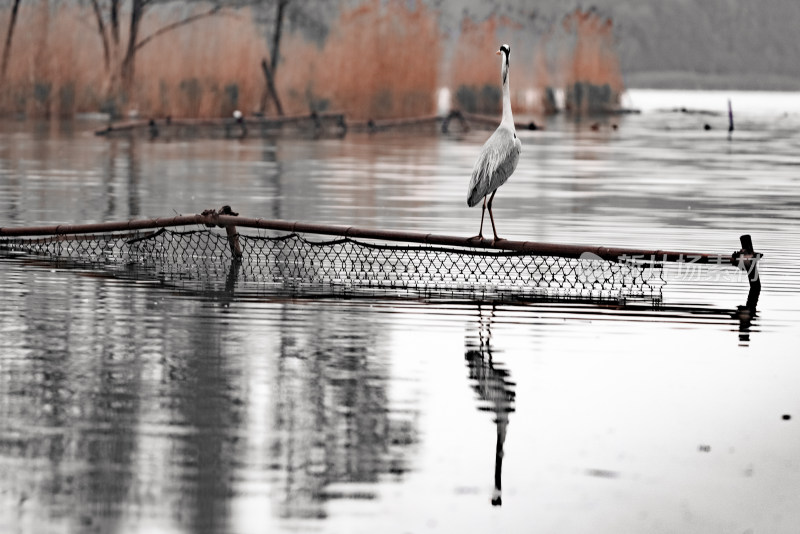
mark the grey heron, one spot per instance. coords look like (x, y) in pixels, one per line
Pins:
(499, 155)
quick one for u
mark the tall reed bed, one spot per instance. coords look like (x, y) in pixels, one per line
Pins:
(52, 68)
(475, 71)
(206, 69)
(380, 59)
(592, 74)
(57, 67)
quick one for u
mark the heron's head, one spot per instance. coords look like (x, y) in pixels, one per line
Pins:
(504, 52)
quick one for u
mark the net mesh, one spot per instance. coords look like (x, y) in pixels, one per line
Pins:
(346, 265)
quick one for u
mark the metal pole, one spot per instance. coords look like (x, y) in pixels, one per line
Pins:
(532, 247)
(213, 218)
(139, 224)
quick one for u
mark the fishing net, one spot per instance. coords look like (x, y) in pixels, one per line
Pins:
(344, 265)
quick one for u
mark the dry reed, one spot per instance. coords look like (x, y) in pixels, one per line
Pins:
(475, 71)
(381, 59)
(51, 70)
(592, 73)
(206, 69)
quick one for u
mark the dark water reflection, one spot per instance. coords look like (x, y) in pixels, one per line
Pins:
(132, 404)
(495, 390)
(335, 429)
(103, 387)
(122, 400)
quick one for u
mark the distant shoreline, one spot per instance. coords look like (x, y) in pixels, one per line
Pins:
(687, 80)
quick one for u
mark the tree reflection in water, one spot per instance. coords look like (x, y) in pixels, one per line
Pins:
(336, 432)
(494, 388)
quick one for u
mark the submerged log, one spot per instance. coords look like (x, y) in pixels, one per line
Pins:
(312, 125)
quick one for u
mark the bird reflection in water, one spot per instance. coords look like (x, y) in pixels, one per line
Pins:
(494, 388)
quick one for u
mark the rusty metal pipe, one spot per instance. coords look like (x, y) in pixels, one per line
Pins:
(89, 228)
(532, 247)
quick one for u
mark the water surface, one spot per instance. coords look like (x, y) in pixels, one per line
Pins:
(132, 405)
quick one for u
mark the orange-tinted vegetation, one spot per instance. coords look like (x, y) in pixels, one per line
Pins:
(51, 69)
(592, 76)
(204, 69)
(544, 80)
(580, 56)
(475, 72)
(380, 59)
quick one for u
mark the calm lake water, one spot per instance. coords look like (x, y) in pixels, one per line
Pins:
(128, 405)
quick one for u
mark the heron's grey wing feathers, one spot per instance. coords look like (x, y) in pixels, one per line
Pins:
(507, 164)
(497, 160)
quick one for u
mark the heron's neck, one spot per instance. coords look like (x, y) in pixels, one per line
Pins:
(507, 116)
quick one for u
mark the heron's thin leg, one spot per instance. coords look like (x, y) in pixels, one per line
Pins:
(494, 229)
(483, 213)
(480, 232)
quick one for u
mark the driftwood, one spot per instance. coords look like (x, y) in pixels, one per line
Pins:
(314, 125)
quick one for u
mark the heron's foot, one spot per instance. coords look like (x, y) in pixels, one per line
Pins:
(497, 239)
(478, 237)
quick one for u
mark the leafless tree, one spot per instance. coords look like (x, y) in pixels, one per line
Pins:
(276, 34)
(304, 15)
(120, 61)
(9, 36)
(269, 67)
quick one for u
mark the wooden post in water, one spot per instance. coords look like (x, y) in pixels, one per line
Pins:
(233, 241)
(730, 120)
(747, 259)
(230, 229)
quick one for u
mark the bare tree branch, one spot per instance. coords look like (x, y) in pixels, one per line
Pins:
(129, 61)
(170, 27)
(9, 34)
(101, 27)
(271, 88)
(115, 21)
(276, 37)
